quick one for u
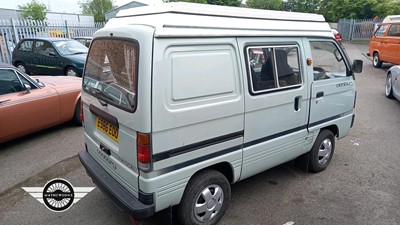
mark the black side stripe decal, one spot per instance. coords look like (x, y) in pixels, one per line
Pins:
(264, 139)
(196, 146)
(200, 159)
(324, 120)
(185, 149)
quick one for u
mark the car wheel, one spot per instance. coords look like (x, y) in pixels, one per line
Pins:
(21, 67)
(71, 71)
(377, 63)
(389, 88)
(322, 152)
(205, 200)
(77, 114)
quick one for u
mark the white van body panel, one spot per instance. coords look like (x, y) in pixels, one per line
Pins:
(197, 101)
(271, 136)
(121, 164)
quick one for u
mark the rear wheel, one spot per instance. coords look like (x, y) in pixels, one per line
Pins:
(389, 88)
(205, 200)
(21, 66)
(376, 62)
(71, 71)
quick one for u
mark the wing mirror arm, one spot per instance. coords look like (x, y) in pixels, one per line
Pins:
(27, 88)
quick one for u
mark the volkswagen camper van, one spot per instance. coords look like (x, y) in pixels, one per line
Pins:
(384, 45)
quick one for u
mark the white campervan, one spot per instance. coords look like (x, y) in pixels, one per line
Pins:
(182, 100)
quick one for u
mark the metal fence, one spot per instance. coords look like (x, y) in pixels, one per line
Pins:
(357, 30)
(12, 30)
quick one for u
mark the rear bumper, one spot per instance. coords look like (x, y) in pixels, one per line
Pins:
(123, 199)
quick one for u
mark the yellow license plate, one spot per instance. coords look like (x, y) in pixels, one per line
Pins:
(107, 128)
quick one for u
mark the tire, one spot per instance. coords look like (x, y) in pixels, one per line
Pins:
(322, 152)
(196, 208)
(376, 62)
(71, 71)
(388, 86)
(21, 66)
(77, 114)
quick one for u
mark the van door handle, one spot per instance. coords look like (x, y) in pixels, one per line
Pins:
(297, 103)
(320, 94)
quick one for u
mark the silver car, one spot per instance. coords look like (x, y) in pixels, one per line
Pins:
(392, 89)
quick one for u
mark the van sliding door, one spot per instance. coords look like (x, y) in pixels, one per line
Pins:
(275, 102)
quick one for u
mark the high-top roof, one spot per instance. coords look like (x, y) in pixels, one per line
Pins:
(220, 11)
(391, 18)
(195, 20)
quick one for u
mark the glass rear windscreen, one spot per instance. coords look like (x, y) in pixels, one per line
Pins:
(111, 72)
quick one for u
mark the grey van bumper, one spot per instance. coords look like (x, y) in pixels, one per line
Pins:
(123, 199)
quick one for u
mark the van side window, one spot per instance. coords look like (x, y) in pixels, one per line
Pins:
(327, 60)
(380, 31)
(273, 67)
(394, 30)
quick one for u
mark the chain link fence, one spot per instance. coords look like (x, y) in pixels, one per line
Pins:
(12, 31)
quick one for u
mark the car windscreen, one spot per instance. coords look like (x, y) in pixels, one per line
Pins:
(111, 72)
(70, 47)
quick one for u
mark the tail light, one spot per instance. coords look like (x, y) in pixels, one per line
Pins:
(143, 150)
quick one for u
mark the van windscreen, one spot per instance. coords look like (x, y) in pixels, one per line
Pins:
(111, 72)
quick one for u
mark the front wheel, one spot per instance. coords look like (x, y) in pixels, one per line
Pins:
(71, 71)
(320, 155)
(389, 88)
(205, 200)
(376, 62)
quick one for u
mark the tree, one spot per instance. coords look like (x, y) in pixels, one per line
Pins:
(265, 4)
(192, 1)
(355, 9)
(225, 2)
(97, 8)
(307, 6)
(33, 10)
(212, 2)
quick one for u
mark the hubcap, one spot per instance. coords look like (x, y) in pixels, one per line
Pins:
(388, 84)
(21, 68)
(71, 73)
(208, 203)
(325, 150)
(376, 59)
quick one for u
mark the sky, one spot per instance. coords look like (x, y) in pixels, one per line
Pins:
(63, 6)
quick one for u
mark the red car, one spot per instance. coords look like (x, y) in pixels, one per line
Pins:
(29, 104)
(337, 35)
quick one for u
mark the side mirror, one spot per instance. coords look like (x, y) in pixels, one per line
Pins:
(52, 54)
(27, 88)
(357, 66)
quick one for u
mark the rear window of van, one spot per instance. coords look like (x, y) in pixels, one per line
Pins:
(111, 72)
